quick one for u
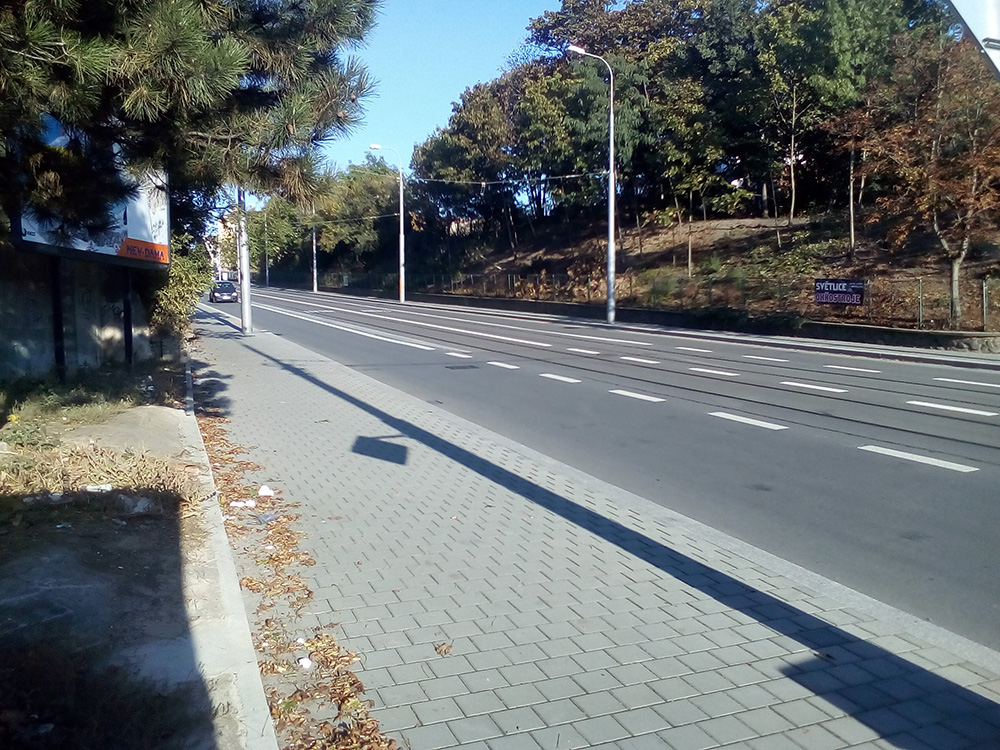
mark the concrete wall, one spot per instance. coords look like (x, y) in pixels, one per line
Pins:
(92, 314)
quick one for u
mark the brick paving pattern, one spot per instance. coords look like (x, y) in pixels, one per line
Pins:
(578, 615)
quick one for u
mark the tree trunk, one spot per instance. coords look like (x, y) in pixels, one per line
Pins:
(956, 299)
(853, 246)
(791, 161)
(690, 235)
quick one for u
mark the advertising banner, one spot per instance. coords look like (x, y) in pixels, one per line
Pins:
(140, 233)
(840, 291)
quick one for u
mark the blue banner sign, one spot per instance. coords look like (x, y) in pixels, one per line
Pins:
(840, 291)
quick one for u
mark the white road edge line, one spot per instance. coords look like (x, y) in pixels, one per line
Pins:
(459, 355)
(850, 369)
(640, 360)
(747, 420)
(959, 409)
(560, 378)
(344, 328)
(812, 387)
(919, 459)
(504, 365)
(582, 351)
(640, 396)
(715, 372)
(693, 349)
(763, 359)
(968, 382)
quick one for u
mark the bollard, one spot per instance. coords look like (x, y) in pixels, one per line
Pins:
(920, 302)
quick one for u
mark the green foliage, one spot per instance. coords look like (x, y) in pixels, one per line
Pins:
(212, 91)
(190, 276)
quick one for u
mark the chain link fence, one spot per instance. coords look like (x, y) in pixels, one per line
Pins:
(902, 303)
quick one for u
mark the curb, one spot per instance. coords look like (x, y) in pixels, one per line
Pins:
(220, 631)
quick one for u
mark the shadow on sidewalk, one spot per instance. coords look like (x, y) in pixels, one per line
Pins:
(909, 706)
(95, 643)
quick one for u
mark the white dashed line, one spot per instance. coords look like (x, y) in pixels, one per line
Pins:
(850, 369)
(959, 409)
(640, 360)
(763, 359)
(812, 387)
(583, 351)
(967, 382)
(504, 365)
(560, 378)
(746, 420)
(346, 329)
(715, 372)
(459, 355)
(640, 396)
(919, 459)
(693, 349)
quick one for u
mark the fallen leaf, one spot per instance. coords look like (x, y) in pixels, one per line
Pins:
(443, 649)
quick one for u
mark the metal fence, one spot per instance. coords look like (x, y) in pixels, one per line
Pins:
(905, 303)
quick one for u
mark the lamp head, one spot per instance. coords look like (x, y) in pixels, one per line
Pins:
(577, 49)
(375, 146)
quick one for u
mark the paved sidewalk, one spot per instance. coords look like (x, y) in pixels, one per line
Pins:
(500, 599)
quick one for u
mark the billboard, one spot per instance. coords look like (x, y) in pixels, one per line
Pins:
(139, 236)
(981, 19)
(839, 291)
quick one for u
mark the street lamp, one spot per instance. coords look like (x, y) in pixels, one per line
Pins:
(611, 179)
(402, 235)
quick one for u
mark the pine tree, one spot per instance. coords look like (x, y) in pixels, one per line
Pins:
(212, 91)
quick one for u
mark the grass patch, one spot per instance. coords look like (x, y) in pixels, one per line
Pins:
(29, 405)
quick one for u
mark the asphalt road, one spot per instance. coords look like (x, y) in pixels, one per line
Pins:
(880, 474)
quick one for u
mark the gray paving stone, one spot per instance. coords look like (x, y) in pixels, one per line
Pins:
(443, 687)
(435, 735)
(442, 709)
(515, 720)
(687, 737)
(700, 634)
(560, 687)
(638, 721)
(601, 729)
(472, 729)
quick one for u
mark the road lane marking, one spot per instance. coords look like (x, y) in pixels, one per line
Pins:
(763, 359)
(850, 369)
(693, 349)
(504, 365)
(583, 351)
(450, 329)
(413, 312)
(747, 420)
(344, 328)
(640, 396)
(715, 372)
(560, 378)
(919, 459)
(959, 409)
(812, 387)
(640, 360)
(459, 355)
(968, 382)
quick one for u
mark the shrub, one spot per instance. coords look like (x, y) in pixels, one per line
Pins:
(173, 302)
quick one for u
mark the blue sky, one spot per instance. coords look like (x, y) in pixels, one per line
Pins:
(424, 54)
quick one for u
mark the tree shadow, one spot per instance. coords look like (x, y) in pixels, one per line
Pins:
(909, 706)
(96, 649)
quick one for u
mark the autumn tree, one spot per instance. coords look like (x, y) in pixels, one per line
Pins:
(934, 130)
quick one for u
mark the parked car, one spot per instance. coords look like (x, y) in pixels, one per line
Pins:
(224, 291)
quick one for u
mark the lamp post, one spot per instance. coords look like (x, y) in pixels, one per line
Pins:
(402, 235)
(611, 179)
